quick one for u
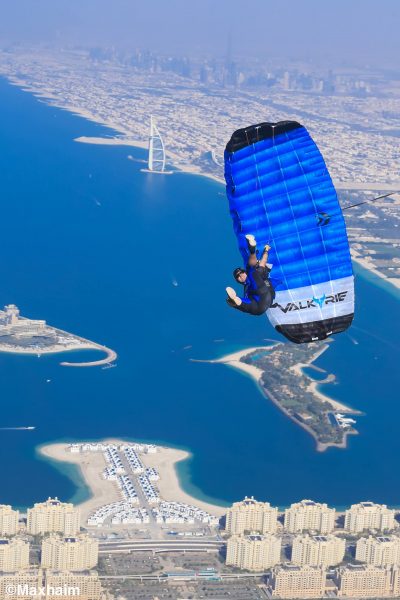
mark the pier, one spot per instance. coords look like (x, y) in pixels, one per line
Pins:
(111, 357)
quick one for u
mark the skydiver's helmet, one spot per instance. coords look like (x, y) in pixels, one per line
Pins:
(238, 271)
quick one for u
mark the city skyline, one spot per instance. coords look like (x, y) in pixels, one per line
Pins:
(362, 31)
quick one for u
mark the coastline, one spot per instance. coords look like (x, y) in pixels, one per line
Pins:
(313, 386)
(90, 468)
(111, 354)
(233, 360)
(56, 349)
(92, 464)
(171, 158)
(255, 373)
(391, 284)
(80, 344)
(53, 100)
(112, 141)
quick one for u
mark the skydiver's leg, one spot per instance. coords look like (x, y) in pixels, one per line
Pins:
(251, 307)
(252, 246)
(267, 299)
(233, 299)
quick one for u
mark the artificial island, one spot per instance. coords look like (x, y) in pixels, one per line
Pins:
(28, 336)
(279, 371)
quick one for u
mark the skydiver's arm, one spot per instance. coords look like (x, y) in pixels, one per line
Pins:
(264, 258)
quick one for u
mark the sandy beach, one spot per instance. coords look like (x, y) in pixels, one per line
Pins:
(111, 355)
(233, 360)
(111, 141)
(337, 406)
(165, 462)
(55, 349)
(92, 464)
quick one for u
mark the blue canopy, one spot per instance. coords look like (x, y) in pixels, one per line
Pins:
(279, 190)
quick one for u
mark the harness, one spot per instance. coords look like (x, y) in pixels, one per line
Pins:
(252, 289)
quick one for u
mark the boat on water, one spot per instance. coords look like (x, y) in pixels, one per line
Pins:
(28, 428)
(156, 159)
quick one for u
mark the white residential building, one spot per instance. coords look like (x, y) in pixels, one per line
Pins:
(318, 550)
(69, 554)
(8, 520)
(308, 515)
(379, 551)
(53, 516)
(369, 516)
(290, 581)
(364, 581)
(253, 552)
(14, 555)
(250, 515)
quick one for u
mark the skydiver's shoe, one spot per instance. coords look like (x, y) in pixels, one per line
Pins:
(233, 299)
(251, 243)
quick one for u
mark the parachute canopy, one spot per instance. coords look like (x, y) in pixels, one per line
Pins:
(279, 190)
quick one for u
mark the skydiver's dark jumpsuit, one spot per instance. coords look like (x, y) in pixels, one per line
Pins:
(258, 291)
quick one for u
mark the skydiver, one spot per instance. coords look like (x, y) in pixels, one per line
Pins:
(258, 290)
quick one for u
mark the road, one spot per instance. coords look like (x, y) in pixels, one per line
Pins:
(374, 187)
(163, 577)
(154, 546)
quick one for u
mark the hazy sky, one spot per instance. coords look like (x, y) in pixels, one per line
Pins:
(363, 31)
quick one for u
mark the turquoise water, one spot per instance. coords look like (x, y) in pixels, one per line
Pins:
(93, 245)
